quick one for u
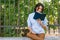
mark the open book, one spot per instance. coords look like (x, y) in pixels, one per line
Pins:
(39, 16)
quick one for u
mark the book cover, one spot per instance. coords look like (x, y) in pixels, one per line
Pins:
(39, 16)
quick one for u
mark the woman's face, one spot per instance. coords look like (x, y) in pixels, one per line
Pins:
(39, 9)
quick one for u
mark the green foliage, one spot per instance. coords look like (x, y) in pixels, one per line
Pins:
(15, 12)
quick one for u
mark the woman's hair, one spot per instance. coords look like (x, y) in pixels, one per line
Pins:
(37, 5)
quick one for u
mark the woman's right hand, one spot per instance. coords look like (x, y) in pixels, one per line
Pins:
(30, 30)
(33, 32)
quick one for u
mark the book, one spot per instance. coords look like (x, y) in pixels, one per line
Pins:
(39, 16)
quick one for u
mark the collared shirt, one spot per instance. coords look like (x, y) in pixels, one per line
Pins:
(34, 25)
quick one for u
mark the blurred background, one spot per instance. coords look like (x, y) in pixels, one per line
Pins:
(14, 14)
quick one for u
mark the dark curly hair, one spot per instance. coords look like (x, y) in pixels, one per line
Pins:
(37, 5)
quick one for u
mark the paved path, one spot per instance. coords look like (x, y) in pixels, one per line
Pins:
(25, 38)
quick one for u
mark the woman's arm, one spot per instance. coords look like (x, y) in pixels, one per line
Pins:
(30, 30)
(40, 22)
(29, 25)
(43, 26)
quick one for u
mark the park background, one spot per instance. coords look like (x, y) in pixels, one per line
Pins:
(14, 14)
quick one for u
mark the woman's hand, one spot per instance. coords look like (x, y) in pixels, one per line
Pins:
(33, 32)
(30, 30)
(39, 21)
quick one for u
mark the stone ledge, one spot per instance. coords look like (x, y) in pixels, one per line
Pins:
(25, 38)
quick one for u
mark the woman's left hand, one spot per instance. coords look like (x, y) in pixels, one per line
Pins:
(39, 21)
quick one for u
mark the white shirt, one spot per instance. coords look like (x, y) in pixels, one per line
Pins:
(34, 25)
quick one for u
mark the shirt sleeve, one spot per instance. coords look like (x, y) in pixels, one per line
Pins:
(45, 22)
(29, 22)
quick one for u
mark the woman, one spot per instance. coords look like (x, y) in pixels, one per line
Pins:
(37, 27)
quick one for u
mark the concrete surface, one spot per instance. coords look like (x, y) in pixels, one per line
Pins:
(25, 38)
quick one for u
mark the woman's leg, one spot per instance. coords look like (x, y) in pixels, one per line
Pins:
(41, 36)
(33, 36)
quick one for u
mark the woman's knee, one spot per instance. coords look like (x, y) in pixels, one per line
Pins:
(41, 36)
(28, 34)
